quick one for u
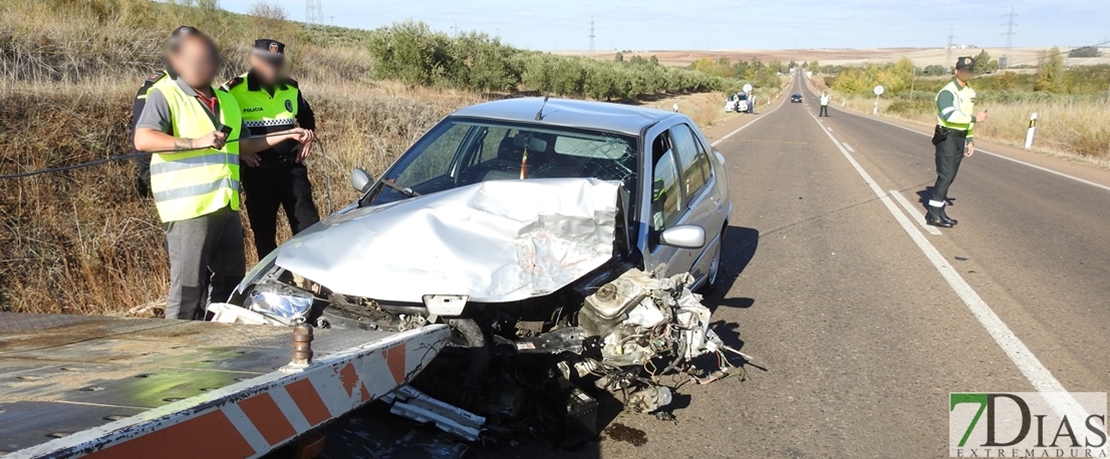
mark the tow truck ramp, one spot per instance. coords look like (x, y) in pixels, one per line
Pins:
(101, 387)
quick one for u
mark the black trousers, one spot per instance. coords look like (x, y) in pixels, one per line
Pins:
(949, 154)
(268, 188)
(824, 110)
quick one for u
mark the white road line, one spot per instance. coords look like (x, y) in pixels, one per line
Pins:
(980, 150)
(1039, 376)
(741, 128)
(849, 147)
(914, 213)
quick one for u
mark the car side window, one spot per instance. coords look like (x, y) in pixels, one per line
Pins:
(666, 197)
(693, 160)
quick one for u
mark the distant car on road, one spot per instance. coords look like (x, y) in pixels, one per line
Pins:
(796, 98)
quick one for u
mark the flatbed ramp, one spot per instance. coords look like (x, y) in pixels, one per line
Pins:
(101, 387)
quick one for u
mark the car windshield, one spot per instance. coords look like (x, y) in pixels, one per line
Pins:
(459, 152)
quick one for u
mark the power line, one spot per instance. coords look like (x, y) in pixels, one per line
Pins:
(120, 158)
(314, 15)
(1047, 56)
(591, 36)
(948, 54)
(1009, 37)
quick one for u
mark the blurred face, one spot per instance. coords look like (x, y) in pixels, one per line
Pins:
(196, 62)
(267, 70)
(965, 74)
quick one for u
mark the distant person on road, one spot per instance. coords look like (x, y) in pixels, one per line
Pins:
(193, 133)
(272, 102)
(142, 162)
(824, 104)
(953, 136)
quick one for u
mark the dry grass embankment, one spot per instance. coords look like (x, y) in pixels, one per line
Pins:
(84, 242)
(1077, 130)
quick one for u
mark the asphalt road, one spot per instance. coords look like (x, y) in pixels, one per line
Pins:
(859, 319)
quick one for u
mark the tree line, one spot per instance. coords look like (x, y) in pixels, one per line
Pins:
(415, 54)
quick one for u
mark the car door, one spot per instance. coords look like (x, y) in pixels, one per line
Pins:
(703, 207)
(676, 195)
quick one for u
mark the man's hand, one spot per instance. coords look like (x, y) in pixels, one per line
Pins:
(250, 159)
(306, 145)
(970, 150)
(214, 139)
(981, 117)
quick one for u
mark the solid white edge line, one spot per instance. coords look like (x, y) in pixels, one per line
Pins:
(1037, 374)
(980, 150)
(741, 128)
(914, 213)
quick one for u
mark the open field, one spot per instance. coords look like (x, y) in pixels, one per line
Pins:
(1075, 130)
(920, 56)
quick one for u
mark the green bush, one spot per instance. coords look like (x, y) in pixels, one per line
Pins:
(415, 54)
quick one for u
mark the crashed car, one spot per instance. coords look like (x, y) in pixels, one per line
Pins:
(569, 230)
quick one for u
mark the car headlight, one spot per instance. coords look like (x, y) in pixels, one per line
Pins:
(281, 301)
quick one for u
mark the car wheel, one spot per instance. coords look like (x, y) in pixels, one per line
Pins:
(713, 276)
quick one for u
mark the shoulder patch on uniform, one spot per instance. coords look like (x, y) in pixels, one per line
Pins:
(155, 76)
(234, 82)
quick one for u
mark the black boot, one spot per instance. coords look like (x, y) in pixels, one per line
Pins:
(934, 218)
(944, 216)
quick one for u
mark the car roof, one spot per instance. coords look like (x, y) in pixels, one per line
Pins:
(605, 116)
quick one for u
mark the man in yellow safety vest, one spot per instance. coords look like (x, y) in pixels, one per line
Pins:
(194, 134)
(953, 137)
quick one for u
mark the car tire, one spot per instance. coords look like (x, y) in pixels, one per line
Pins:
(713, 276)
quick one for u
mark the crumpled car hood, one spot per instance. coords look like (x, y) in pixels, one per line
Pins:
(494, 241)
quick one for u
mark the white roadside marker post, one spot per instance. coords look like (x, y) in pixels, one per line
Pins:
(1029, 133)
(878, 93)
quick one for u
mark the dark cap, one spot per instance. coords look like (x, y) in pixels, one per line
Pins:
(179, 33)
(270, 49)
(964, 63)
(183, 30)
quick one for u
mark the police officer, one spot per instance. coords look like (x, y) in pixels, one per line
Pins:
(142, 162)
(193, 133)
(270, 102)
(953, 136)
(824, 104)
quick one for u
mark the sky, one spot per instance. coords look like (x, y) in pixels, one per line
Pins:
(721, 24)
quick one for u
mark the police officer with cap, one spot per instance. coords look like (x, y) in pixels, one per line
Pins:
(953, 137)
(142, 161)
(270, 102)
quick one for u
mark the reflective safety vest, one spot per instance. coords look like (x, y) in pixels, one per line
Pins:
(956, 107)
(193, 183)
(260, 110)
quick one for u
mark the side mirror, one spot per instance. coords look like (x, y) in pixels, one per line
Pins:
(683, 237)
(361, 180)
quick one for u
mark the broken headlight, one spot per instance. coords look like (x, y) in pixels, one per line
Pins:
(281, 301)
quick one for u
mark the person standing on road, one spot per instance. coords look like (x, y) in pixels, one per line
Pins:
(193, 133)
(142, 162)
(271, 102)
(953, 137)
(824, 104)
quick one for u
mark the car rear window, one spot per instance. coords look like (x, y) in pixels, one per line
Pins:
(597, 148)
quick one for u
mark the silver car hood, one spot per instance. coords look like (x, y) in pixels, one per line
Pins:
(494, 241)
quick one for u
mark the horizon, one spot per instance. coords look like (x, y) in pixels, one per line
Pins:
(787, 25)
